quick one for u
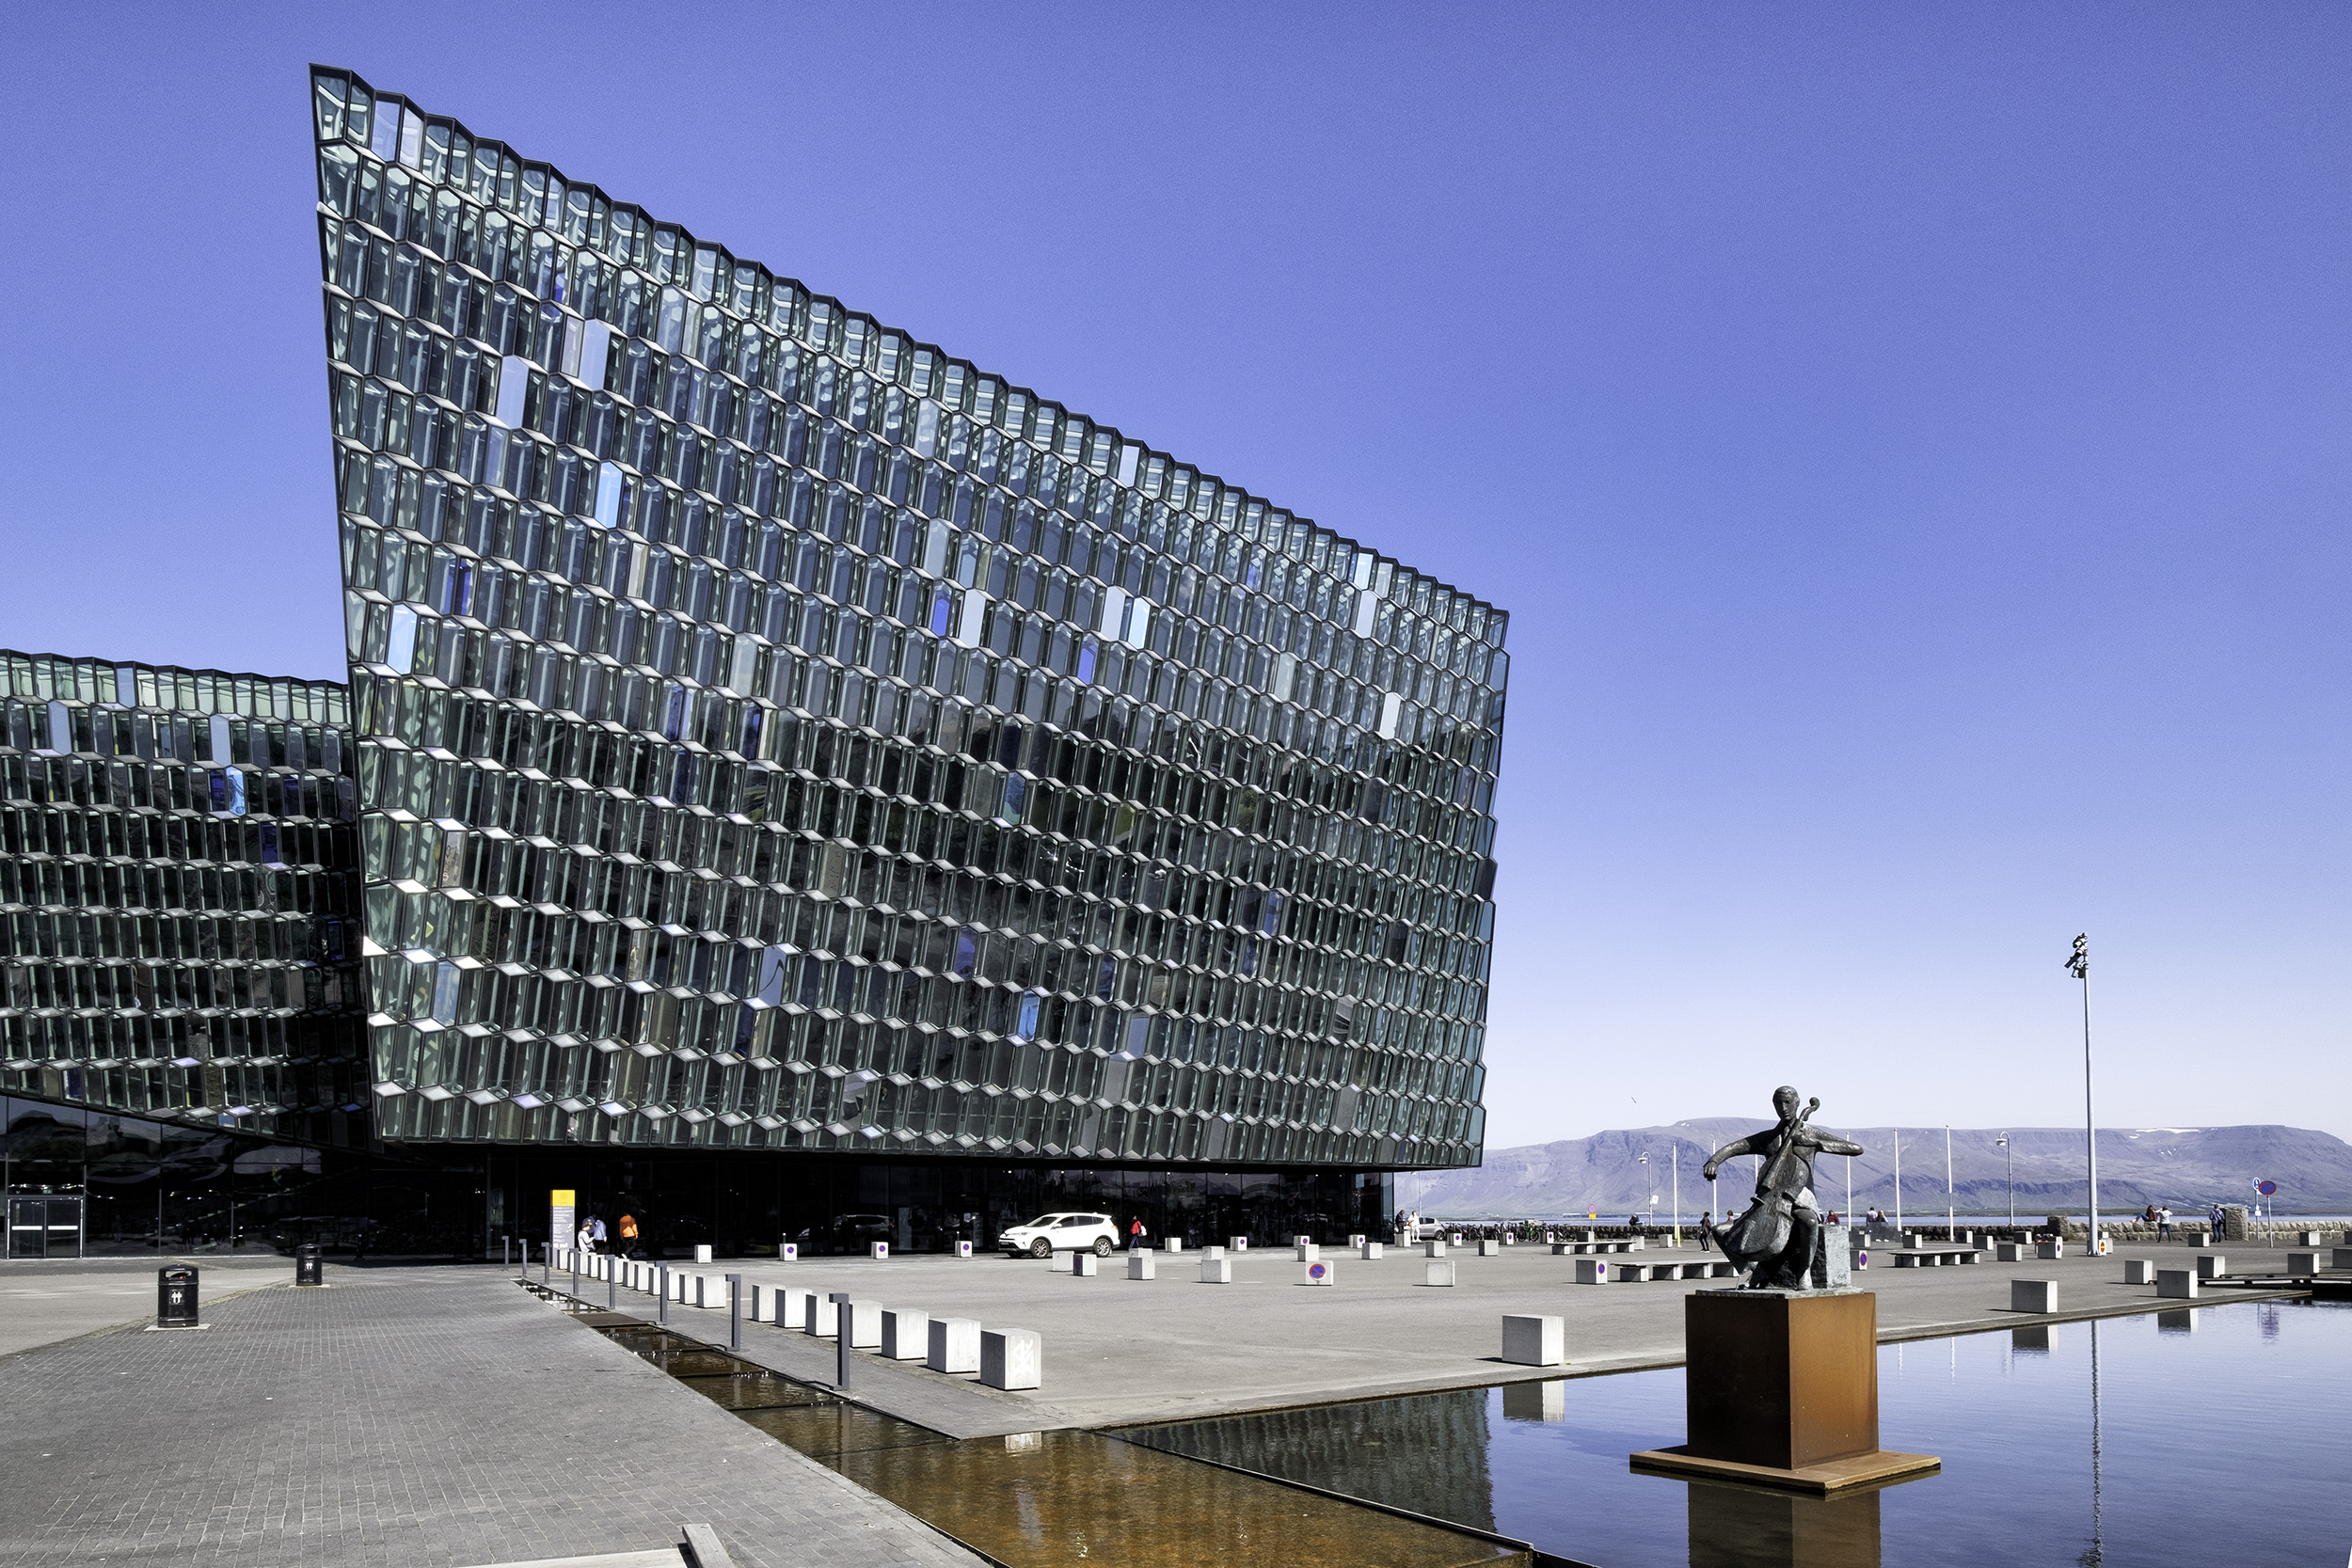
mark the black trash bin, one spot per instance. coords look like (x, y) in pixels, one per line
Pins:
(175, 1297)
(309, 1264)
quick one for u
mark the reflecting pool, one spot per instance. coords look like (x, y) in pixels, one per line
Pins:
(2210, 1432)
(1041, 1498)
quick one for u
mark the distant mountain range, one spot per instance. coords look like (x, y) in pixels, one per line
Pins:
(2185, 1167)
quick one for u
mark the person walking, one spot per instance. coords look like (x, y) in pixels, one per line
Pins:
(628, 1235)
(596, 1229)
(1707, 1231)
(1135, 1235)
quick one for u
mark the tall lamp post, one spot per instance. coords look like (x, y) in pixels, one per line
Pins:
(2078, 965)
(1952, 1212)
(2008, 1162)
(1643, 1162)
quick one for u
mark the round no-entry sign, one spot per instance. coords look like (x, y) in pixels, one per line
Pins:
(2269, 1189)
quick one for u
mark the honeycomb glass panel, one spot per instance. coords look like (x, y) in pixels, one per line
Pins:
(774, 732)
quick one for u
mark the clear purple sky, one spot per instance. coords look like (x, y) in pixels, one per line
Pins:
(1910, 441)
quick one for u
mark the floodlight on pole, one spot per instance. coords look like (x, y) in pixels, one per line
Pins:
(2078, 965)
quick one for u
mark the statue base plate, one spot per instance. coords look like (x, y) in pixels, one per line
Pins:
(1829, 1475)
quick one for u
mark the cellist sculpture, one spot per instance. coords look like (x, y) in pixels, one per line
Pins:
(1775, 1238)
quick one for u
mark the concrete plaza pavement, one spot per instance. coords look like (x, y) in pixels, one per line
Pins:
(1119, 1351)
(405, 1417)
(42, 1302)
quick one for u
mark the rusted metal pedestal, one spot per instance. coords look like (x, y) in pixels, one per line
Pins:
(1783, 1390)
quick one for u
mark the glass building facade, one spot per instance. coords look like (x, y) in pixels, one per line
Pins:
(180, 896)
(791, 784)
(773, 733)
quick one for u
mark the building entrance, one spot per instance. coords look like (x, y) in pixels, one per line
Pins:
(44, 1226)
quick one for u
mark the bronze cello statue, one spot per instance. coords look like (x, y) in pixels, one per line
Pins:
(1775, 1238)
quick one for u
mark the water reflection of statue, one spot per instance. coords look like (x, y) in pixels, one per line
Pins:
(1775, 1238)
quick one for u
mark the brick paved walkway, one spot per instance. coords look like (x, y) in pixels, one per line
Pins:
(406, 1419)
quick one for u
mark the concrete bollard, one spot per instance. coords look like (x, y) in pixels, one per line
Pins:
(2008, 1252)
(1371, 1252)
(878, 1251)
(1309, 1252)
(2343, 1258)
(702, 1252)
(1213, 1252)
(2303, 1264)
(1012, 1358)
(1489, 1249)
(1237, 1243)
(906, 1334)
(788, 1253)
(821, 1319)
(1439, 1274)
(866, 1324)
(1357, 1240)
(963, 1249)
(2033, 1295)
(1084, 1264)
(1317, 1272)
(1172, 1246)
(1143, 1265)
(791, 1307)
(1217, 1271)
(2176, 1282)
(2054, 1247)
(1434, 1247)
(1534, 1342)
(2307, 1238)
(955, 1345)
(2138, 1271)
(2213, 1266)
(1591, 1271)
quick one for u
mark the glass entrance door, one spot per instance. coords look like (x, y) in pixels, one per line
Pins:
(44, 1227)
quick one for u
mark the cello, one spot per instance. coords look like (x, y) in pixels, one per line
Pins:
(1763, 1232)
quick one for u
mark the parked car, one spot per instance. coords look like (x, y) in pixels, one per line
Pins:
(1060, 1233)
(852, 1233)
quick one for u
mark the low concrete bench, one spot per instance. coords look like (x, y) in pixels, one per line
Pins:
(955, 1345)
(1534, 1340)
(906, 1334)
(1934, 1257)
(1012, 1358)
(1560, 1249)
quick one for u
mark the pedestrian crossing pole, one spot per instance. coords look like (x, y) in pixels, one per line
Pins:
(2078, 965)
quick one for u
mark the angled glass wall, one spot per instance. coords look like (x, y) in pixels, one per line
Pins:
(180, 896)
(774, 732)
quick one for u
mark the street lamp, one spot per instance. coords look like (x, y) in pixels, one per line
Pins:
(2009, 1163)
(1642, 1160)
(2078, 965)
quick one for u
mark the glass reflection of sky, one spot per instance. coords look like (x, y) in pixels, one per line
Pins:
(2220, 1431)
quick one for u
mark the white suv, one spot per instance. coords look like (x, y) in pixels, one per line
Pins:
(1049, 1233)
